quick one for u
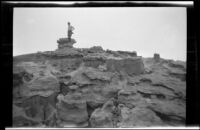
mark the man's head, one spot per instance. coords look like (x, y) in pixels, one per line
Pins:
(68, 23)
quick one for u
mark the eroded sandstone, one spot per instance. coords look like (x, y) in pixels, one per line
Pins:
(91, 87)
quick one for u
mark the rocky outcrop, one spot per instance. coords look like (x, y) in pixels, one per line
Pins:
(94, 74)
(156, 57)
(62, 53)
(72, 110)
(95, 49)
(91, 87)
(130, 98)
(172, 113)
(65, 42)
(36, 79)
(94, 61)
(35, 93)
(177, 64)
(122, 54)
(102, 117)
(139, 117)
(20, 119)
(127, 54)
(128, 65)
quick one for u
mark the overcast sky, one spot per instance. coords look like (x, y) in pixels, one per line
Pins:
(144, 30)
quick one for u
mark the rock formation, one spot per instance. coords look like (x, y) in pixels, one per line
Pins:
(65, 42)
(72, 111)
(156, 57)
(91, 87)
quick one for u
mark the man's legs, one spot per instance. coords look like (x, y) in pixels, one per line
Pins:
(69, 35)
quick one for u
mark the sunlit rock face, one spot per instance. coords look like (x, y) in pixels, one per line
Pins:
(91, 87)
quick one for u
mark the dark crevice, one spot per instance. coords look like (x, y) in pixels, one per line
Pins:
(147, 95)
(17, 80)
(182, 77)
(179, 98)
(162, 85)
(145, 80)
(170, 119)
(160, 96)
(63, 89)
(90, 110)
(98, 81)
(116, 111)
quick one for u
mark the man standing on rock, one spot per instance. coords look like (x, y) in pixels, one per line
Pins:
(70, 31)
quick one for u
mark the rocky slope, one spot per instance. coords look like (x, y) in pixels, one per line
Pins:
(92, 87)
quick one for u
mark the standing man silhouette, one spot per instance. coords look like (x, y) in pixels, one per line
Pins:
(70, 31)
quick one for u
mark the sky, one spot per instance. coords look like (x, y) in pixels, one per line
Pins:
(146, 30)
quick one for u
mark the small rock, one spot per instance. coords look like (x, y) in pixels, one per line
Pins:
(157, 57)
(73, 87)
(102, 67)
(95, 49)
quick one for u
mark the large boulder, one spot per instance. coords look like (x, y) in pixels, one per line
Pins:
(66, 65)
(139, 117)
(95, 49)
(94, 74)
(127, 53)
(177, 64)
(72, 110)
(65, 42)
(171, 112)
(156, 57)
(102, 117)
(66, 52)
(153, 91)
(36, 79)
(130, 98)
(94, 60)
(20, 119)
(128, 65)
(35, 110)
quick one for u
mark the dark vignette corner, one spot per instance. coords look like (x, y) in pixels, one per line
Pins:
(6, 58)
(192, 102)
